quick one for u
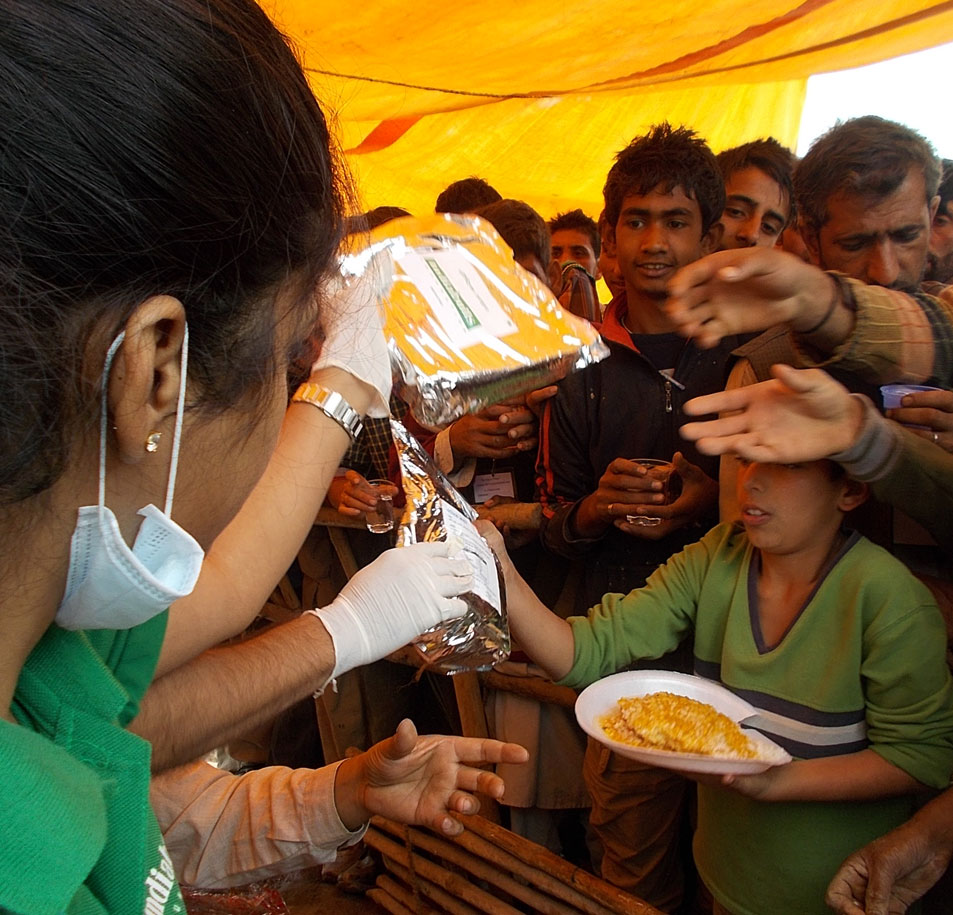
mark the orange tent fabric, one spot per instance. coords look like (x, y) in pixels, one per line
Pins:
(537, 97)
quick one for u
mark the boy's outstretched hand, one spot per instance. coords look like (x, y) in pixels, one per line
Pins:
(419, 780)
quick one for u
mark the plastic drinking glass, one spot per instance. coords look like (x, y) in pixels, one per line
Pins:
(665, 472)
(381, 519)
(893, 394)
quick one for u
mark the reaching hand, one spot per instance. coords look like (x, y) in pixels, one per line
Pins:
(744, 290)
(887, 876)
(352, 495)
(419, 780)
(499, 431)
(536, 400)
(801, 415)
(933, 409)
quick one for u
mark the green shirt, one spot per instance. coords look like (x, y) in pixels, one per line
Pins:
(863, 665)
(77, 834)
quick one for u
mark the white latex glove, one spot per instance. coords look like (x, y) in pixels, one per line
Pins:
(388, 603)
(354, 334)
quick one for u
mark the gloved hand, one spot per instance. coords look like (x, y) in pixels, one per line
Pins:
(388, 603)
(351, 318)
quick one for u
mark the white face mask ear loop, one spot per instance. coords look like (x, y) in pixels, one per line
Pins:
(177, 432)
(104, 394)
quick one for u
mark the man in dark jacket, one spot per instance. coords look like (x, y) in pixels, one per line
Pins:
(663, 198)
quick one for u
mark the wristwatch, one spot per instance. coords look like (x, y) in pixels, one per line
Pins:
(331, 404)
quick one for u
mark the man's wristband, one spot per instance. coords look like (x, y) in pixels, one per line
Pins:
(835, 301)
(332, 405)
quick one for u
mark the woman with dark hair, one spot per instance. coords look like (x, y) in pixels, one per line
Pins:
(168, 206)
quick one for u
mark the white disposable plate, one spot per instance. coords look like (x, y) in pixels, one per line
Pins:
(601, 697)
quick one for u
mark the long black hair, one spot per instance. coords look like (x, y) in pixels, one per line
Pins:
(155, 147)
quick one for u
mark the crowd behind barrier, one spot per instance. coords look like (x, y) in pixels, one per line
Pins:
(726, 493)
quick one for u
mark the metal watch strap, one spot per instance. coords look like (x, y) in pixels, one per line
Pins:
(333, 405)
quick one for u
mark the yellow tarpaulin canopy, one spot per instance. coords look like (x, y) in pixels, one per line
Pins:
(537, 96)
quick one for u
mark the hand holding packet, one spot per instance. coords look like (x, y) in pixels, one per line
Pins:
(351, 322)
(435, 512)
(465, 326)
(385, 604)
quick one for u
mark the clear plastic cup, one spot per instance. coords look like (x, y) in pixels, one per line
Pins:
(381, 519)
(665, 472)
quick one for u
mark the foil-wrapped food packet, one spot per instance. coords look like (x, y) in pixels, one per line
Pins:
(465, 325)
(434, 510)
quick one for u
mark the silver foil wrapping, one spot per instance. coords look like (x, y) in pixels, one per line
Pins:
(465, 325)
(434, 510)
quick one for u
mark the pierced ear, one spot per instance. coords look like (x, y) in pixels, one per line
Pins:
(144, 381)
(855, 494)
(711, 240)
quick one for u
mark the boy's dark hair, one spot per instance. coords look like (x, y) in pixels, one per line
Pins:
(466, 196)
(766, 154)
(576, 219)
(666, 157)
(868, 157)
(521, 227)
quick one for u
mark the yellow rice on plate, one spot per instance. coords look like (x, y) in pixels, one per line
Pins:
(666, 721)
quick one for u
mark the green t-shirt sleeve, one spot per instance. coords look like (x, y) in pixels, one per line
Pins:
(909, 694)
(645, 623)
(131, 655)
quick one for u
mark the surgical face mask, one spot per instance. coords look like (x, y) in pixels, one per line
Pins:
(110, 585)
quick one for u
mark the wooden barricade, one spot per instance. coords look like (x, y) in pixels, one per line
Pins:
(486, 869)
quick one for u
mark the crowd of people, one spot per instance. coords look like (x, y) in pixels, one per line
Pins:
(716, 308)
(165, 283)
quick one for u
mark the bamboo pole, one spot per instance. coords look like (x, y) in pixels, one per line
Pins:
(536, 856)
(428, 870)
(432, 891)
(537, 877)
(496, 870)
(466, 688)
(403, 895)
(331, 517)
(532, 687)
(386, 901)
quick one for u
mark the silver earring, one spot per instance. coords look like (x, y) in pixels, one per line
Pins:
(152, 442)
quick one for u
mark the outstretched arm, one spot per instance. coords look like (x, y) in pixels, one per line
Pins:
(800, 415)
(227, 690)
(544, 636)
(238, 575)
(860, 776)
(421, 779)
(225, 830)
(751, 289)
